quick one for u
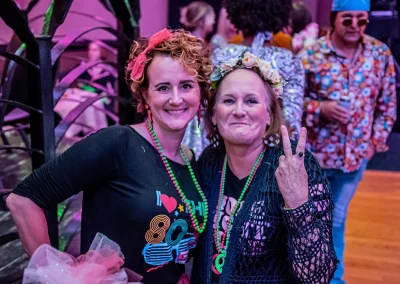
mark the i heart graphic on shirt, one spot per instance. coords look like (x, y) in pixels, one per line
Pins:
(168, 202)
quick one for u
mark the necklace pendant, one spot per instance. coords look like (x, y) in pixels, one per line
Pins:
(218, 262)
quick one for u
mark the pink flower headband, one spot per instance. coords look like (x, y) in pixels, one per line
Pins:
(136, 66)
(248, 60)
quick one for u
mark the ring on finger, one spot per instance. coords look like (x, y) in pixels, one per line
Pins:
(300, 155)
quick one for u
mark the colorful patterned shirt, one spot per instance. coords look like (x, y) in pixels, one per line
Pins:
(368, 81)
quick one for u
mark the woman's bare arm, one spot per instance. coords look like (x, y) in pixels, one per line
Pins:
(31, 222)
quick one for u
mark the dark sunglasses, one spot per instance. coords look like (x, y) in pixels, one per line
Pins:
(347, 22)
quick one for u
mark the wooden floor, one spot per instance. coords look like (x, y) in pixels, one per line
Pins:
(373, 230)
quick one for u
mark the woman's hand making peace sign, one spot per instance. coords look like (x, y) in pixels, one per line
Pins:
(291, 173)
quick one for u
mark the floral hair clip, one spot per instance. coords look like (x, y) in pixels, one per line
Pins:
(137, 65)
(250, 61)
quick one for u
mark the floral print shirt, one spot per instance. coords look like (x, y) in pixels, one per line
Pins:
(368, 81)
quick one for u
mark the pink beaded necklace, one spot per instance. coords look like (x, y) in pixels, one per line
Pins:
(156, 143)
(223, 242)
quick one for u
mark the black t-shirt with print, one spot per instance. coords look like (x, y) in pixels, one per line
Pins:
(232, 191)
(128, 196)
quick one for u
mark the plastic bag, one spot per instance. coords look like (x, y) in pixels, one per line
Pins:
(100, 265)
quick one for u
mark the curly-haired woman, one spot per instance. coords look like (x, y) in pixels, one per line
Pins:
(259, 20)
(139, 183)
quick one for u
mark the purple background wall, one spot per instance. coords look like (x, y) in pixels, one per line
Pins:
(154, 17)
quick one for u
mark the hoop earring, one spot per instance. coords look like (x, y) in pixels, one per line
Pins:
(215, 139)
(149, 114)
(272, 140)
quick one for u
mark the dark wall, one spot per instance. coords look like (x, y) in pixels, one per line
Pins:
(378, 5)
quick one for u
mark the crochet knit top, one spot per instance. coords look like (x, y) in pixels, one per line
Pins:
(295, 245)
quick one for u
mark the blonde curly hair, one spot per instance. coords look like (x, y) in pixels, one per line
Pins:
(181, 45)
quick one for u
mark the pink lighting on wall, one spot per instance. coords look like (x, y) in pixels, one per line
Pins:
(154, 18)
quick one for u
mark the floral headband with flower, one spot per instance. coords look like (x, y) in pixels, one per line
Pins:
(249, 61)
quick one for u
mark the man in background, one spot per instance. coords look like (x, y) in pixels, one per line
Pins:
(350, 106)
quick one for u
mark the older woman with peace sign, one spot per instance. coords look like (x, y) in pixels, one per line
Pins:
(270, 204)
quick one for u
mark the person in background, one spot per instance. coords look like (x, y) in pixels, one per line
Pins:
(226, 32)
(300, 17)
(101, 78)
(198, 18)
(101, 74)
(283, 38)
(304, 31)
(258, 20)
(350, 106)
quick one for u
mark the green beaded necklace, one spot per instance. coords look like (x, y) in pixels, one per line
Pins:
(223, 242)
(199, 228)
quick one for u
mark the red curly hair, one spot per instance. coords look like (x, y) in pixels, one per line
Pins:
(190, 50)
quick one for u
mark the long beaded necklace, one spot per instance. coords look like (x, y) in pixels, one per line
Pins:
(199, 228)
(223, 242)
